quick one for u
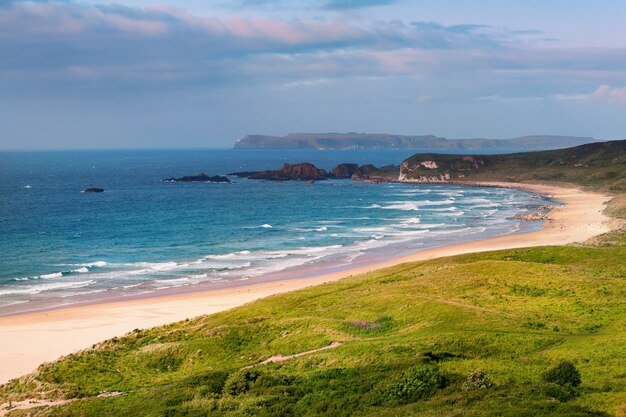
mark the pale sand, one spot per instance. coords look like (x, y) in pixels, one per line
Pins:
(30, 339)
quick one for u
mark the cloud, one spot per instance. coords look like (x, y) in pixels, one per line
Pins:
(496, 98)
(356, 4)
(425, 98)
(334, 5)
(610, 95)
(52, 47)
(604, 93)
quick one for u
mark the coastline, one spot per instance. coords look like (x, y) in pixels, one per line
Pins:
(67, 330)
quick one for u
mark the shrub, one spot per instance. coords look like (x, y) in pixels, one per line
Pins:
(477, 380)
(559, 392)
(239, 382)
(416, 383)
(563, 373)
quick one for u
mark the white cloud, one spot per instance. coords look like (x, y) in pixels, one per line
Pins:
(604, 93)
(611, 95)
(501, 99)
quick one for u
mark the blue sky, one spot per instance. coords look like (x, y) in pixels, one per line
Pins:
(199, 73)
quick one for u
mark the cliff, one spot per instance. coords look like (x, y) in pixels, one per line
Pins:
(601, 164)
(364, 141)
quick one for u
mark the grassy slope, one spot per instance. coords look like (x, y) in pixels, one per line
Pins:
(510, 313)
(600, 165)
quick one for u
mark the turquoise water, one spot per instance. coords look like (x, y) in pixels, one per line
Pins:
(60, 246)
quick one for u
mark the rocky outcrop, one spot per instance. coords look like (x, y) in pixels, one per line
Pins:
(93, 190)
(201, 177)
(532, 217)
(370, 173)
(304, 171)
(343, 171)
(429, 164)
(409, 172)
(363, 172)
(437, 168)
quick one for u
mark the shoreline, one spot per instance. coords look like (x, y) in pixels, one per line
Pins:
(67, 330)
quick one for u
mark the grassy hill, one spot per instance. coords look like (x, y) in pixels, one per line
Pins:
(409, 335)
(601, 165)
(471, 335)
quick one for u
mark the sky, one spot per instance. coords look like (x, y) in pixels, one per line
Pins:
(94, 74)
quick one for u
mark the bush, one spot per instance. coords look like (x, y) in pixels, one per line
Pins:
(415, 384)
(563, 373)
(477, 380)
(239, 382)
(559, 392)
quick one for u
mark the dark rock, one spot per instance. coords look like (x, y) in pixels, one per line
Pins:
(93, 190)
(363, 171)
(369, 173)
(303, 172)
(243, 174)
(343, 171)
(202, 177)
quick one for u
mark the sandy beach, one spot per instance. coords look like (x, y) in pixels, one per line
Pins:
(31, 339)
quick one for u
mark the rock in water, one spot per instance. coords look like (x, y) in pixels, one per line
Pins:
(201, 177)
(304, 171)
(93, 190)
(343, 171)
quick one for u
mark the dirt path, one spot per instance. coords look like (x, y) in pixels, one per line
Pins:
(6, 408)
(281, 358)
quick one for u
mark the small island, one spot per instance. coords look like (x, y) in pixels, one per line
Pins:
(201, 177)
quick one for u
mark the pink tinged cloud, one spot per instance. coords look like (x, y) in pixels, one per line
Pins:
(54, 18)
(287, 33)
(604, 93)
(610, 95)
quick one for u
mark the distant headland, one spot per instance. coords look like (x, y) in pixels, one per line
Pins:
(369, 141)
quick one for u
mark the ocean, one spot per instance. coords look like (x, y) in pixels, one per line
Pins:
(141, 237)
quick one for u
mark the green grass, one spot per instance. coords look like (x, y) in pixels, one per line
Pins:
(411, 335)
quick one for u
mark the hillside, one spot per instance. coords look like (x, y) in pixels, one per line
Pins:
(601, 164)
(352, 141)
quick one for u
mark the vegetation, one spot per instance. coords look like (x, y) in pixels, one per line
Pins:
(412, 339)
(477, 380)
(601, 165)
(564, 373)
